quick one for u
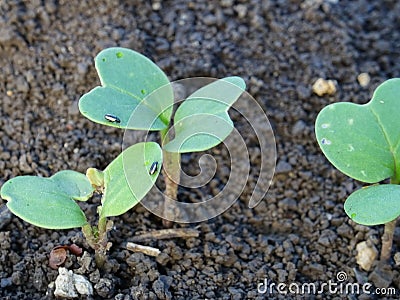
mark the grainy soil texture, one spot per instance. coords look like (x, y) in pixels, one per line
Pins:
(299, 234)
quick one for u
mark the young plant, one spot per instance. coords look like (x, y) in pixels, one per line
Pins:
(51, 202)
(363, 142)
(136, 94)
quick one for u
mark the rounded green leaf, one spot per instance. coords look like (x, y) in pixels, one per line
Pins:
(127, 179)
(127, 78)
(202, 121)
(74, 184)
(200, 132)
(45, 202)
(363, 141)
(214, 98)
(374, 205)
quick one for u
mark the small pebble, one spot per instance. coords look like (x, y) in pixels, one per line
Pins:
(156, 6)
(5, 218)
(288, 204)
(366, 255)
(82, 285)
(363, 79)
(396, 258)
(241, 10)
(382, 276)
(105, 288)
(324, 87)
(5, 282)
(299, 127)
(65, 284)
(69, 285)
(6, 35)
(226, 3)
(283, 167)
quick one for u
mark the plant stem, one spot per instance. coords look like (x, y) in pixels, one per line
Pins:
(172, 173)
(388, 233)
(97, 240)
(100, 251)
(387, 240)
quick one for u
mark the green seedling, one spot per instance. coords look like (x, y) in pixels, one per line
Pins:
(136, 94)
(51, 202)
(363, 142)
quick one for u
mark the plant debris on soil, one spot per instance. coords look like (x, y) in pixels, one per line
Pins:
(298, 234)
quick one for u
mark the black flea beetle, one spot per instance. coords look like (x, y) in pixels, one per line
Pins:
(111, 118)
(153, 168)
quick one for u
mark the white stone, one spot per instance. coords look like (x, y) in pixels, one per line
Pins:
(65, 284)
(156, 6)
(363, 79)
(324, 87)
(366, 255)
(396, 258)
(82, 285)
(241, 10)
(68, 285)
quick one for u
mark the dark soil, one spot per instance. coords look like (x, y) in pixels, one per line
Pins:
(299, 233)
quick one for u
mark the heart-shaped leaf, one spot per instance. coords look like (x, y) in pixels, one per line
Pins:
(127, 78)
(48, 202)
(202, 121)
(127, 179)
(74, 184)
(374, 205)
(363, 141)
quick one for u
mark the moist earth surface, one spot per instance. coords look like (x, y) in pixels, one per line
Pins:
(298, 234)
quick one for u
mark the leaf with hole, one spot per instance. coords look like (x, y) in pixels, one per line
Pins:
(48, 202)
(127, 78)
(202, 121)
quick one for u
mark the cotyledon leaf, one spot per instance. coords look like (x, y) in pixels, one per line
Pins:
(74, 184)
(374, 205)
(48, 202)
(202, 121)
(127, 178)
(127, 79)
(363, 141)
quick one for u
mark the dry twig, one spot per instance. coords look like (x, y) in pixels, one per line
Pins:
(167, 234)
(143, 249)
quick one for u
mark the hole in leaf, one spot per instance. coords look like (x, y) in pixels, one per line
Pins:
(119, 54)
(143, 92)
(103, 59)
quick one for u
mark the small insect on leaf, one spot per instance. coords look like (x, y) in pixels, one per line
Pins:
(153, 168)
(111, 118)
